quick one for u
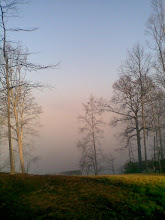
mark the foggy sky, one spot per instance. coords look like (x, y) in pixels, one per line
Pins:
(89, 39)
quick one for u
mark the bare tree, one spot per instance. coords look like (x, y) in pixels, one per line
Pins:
(23, 108)
(155, 28)
(13, 61)
(139, 65)
(89, 145)
(6, 64)
(156, 110)
(109, 163)
(26, 112)
(30, 157)
(128, 101)
(126, 105)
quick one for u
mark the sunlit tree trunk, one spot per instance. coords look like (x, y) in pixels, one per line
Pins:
(12, 168)
(18, 133)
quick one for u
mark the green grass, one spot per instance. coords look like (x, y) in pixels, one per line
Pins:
(102, 197)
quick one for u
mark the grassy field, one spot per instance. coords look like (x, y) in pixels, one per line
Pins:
(64, 197)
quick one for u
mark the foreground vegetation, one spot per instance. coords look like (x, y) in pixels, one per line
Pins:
(64, 197)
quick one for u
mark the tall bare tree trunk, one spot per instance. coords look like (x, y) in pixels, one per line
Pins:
(12, 168)
(139, 146)
(156, 133)
(95, 156)
(160, 139)
(154, 156)
(143, 119)
(18, 133)
(94, 147)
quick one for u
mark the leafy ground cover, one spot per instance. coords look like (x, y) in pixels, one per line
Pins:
(63, 197)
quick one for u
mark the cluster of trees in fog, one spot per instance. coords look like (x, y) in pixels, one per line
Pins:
(19, 111)
(138, 105)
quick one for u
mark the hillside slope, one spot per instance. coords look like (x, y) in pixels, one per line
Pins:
(64, 197)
